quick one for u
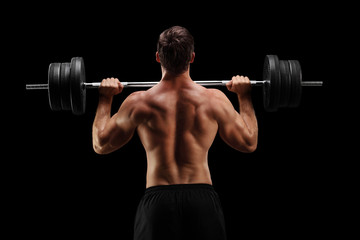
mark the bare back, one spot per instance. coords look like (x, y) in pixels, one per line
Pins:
(177, 121)
(178, 134)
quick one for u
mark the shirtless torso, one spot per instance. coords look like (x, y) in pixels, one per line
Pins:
(177, 121)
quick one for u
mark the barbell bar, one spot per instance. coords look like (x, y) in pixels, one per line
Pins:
(213, 83)
(91, 85)
(282, 84)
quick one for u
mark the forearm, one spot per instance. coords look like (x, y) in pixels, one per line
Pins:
(102, 117)
(247, 113)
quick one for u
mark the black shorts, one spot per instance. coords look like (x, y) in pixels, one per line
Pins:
(183, 211)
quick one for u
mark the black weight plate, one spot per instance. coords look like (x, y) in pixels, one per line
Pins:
(271, 89)
(77, 89)
(54, 91)
(299, 74)
(65, 86)
(287, 82)
(293, 83)
(266, 86)
(283, 79)
(296, 78)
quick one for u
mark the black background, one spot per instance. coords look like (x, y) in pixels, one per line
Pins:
(63, 188)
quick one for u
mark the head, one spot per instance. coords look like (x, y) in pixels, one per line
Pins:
(175, 50)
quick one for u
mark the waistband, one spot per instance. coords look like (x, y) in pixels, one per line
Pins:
(176, 187)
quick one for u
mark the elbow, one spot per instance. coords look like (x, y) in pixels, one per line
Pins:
(245, 146)
(99, 145)
(250, 148)
(250, 145)
(99, 150)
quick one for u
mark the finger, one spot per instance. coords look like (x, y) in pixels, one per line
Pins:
(236, 80)
(233, 82)
(229, 85)
(117, 82)
(120, 86)
(103, 82)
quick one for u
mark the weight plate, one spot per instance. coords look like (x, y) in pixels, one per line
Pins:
(299, 75)
(293, 83)
(288, 83)
(272, 88)
(296, 78)
(77, 89)
(65, 86)
(285, 83)
(54, 91)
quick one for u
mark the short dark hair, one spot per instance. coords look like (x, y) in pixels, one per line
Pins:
(175, 47)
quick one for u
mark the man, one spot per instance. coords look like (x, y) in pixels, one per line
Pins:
(177, 121)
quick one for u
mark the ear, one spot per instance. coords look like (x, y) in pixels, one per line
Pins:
(192, 57)
(157, 57)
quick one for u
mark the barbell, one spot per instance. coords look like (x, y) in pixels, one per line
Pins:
(282, 84)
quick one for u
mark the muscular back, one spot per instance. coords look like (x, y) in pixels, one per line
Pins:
(178, 133)
(177, 121)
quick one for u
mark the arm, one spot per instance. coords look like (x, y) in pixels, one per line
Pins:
(111, 133)
(238, 130)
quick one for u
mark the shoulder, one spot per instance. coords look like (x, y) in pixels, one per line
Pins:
(132, 100)
(220, 105)
(135, 107)
(216, 96)
(135, 96)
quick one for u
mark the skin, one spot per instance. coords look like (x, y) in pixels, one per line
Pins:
(177, 121)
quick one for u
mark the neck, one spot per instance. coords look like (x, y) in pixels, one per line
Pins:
(175, 78)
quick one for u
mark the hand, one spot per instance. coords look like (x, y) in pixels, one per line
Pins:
(110, 87)
(239, 85)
